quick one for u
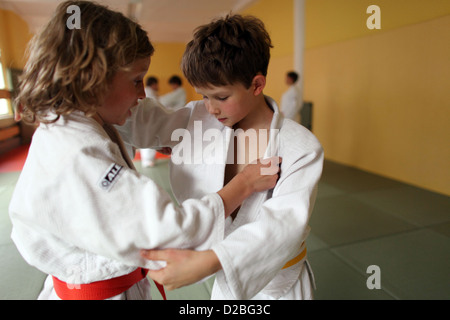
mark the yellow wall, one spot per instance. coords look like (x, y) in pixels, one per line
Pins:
(329, 21)
(166, 63)
(14, 37)
(381, 100)
(278, 17)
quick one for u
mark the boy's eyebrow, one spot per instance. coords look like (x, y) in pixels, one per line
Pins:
(218, 91)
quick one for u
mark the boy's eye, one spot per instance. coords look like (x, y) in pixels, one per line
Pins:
(217, 98)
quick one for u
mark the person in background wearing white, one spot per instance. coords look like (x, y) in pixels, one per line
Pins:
(152, 88)
(291, 102)
(175, 99)
(151, 91)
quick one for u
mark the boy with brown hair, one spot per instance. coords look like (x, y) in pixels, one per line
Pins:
(262, 254)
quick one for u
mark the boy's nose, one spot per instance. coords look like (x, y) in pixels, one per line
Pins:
(211, 109)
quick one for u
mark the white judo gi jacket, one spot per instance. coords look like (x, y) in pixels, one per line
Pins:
(271, 227)
(291, 103)
(81, 214)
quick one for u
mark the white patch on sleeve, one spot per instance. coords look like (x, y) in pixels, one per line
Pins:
(110, 176)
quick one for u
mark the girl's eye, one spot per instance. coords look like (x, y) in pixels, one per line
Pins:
(205, 97)
(138, 82)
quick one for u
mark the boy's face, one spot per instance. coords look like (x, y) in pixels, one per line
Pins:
(289, 80)
(229, 104)
(126, 88)
(174, 86)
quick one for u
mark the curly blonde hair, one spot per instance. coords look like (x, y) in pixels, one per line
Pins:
(71, 69)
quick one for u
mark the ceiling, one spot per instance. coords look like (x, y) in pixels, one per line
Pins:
(164, 20)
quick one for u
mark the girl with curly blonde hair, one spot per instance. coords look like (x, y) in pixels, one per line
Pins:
(80, 210)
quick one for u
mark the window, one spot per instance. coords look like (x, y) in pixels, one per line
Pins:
(4, 106)
(5, 101)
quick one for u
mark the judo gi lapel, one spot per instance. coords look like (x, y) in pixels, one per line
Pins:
(216, 150)
(253, 203)
(201, 153)
(115, 137)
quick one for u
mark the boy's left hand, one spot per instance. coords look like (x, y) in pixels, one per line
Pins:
(165, 150)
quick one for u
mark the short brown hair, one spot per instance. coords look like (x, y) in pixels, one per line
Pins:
(226, 51)
(70, 69)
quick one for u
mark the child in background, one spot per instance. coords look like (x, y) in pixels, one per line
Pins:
(291, 102)
(80, 212)
(151, 91)
(263, 253)
(152, 88)
(175, 99)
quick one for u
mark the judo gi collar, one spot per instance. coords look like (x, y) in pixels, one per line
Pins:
(115, 137)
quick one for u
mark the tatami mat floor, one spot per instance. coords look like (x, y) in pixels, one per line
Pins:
(360, 220)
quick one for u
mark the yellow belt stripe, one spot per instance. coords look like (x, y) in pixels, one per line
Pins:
(295, 260)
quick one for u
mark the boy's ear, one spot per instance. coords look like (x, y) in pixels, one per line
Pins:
(258, 84)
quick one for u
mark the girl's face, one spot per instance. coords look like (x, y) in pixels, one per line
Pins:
(127, 86)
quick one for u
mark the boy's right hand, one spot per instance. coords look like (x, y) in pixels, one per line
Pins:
(255, 177)
(263, 174)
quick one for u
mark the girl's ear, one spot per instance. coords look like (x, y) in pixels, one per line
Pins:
(258, 84)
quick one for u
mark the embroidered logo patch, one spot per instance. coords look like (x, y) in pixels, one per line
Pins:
(110, 177)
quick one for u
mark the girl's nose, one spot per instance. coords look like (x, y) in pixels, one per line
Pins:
(141, 91)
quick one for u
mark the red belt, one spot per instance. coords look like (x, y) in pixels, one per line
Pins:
(101, 290)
